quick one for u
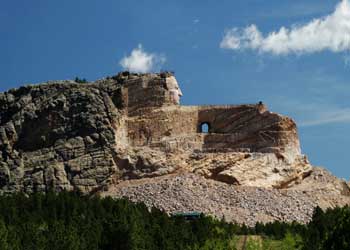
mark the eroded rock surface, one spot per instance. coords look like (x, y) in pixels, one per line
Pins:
(122, 133)
(57, 136)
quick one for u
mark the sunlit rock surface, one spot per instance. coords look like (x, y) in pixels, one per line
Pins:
(116, 135)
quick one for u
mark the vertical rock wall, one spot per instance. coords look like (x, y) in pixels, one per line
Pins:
(68, 136)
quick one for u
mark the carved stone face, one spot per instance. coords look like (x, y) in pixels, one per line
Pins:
(174, 89)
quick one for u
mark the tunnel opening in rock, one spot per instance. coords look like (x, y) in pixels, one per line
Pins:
(204, 127)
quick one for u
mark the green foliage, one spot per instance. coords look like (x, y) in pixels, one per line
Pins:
(3, 235)
(292, 242)
(79, 80)
(68, 221)
(329, 230)
(253, 244)
(72, 222)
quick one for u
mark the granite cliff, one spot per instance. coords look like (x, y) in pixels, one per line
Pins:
(128, 136)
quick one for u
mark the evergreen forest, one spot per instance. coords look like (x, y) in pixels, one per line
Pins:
(69, 221)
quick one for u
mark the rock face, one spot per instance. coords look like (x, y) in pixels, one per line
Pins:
(118, 134)
(57, 136)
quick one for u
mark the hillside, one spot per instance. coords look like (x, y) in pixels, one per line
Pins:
(128, 136)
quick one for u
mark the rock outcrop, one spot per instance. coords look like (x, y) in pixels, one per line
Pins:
(116, 135)
(57, 136)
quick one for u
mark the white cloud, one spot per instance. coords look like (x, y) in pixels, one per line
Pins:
(140, 61)
(316, 114)
(336, 115)
(331, 33)
(313, 113)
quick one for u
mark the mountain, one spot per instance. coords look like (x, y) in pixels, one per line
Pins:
(128, 136)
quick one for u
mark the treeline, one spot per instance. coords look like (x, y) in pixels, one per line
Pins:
(69, 221)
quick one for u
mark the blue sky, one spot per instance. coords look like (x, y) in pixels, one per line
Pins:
(301, 71)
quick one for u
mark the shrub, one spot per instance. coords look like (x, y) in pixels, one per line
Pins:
(78, 80)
